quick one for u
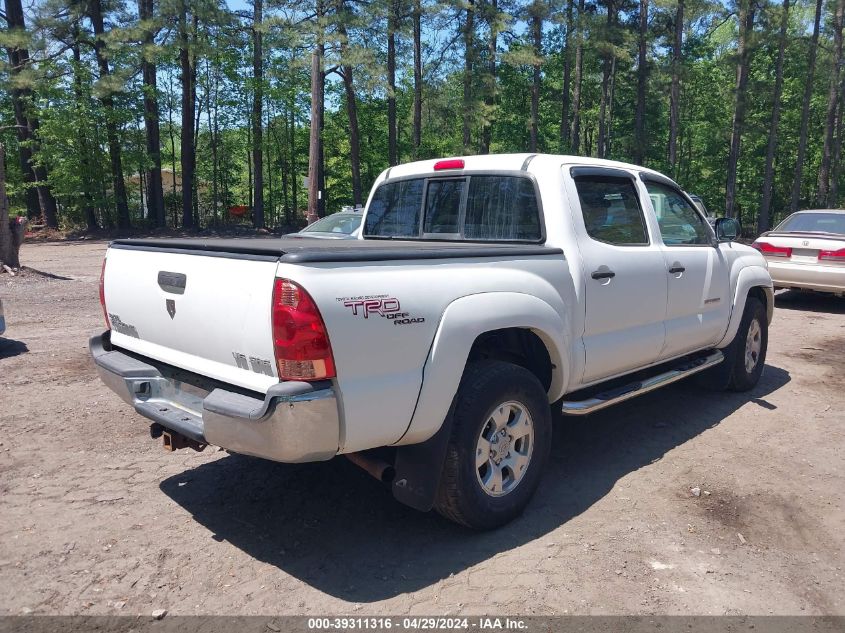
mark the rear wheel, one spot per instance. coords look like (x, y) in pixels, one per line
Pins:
(500, 442)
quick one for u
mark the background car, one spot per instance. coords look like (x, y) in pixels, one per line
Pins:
(2, 318)
(699, 204)
(807, 251)
(343, 225)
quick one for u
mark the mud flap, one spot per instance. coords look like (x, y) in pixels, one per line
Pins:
(719, 377)
(419, 468)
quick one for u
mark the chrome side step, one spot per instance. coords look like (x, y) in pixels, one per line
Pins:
(626, 392)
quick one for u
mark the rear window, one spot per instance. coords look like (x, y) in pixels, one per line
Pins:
(814, 223)
(480, 208)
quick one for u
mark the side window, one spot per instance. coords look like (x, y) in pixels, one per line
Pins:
(502, 208)
(443, 206)
(611, 210)
(680, 223)
(395, 210)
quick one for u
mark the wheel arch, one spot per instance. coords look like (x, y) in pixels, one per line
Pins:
(511, 326)
(752, 281)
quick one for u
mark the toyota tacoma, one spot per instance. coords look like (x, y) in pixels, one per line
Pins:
(483, 294)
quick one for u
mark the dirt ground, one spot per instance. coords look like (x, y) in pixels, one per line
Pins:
(95, 518)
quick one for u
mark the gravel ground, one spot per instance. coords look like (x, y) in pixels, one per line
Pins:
(98, 519)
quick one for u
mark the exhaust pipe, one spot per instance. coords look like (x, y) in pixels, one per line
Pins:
(379, 469)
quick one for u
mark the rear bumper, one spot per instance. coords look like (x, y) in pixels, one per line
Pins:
(817, 277)
(294, 422)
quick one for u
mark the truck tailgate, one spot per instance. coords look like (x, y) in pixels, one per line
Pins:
(198, 311)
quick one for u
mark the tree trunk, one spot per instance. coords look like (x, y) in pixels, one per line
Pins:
(9, 242)
(352, 114)
(258, 115)
(746, 27)
(417, 135)
(575, 136)
(567, 79)
(642, 76)
(469, 58)
(215, 136)
(822, 195)
(155, 192)
(118, 185)
(605, 81)
(39, 198)
(285, 168)
(11, 230)
(805, 111)
(314, 140)
(537, 37)
(490, 77)
(608, 138)
(192, 58)
(392, 25)
(250, 190)
(294, 185)
(763, 217)
(837, 158)
(85, 151)
(321, 162)
(675, 88)
(187, 133)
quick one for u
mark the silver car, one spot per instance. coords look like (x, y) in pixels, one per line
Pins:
(807, 251)
(343, 225)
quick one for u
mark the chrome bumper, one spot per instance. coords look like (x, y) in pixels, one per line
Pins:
(294, 422)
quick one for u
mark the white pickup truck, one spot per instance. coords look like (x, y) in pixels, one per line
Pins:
(483, 293)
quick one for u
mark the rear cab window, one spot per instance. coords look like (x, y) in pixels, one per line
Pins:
(472, 207)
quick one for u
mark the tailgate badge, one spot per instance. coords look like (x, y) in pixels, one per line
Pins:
(171, 307)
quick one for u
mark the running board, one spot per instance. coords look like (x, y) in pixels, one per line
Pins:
(626, 392)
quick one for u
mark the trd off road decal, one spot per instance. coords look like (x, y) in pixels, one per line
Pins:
(383, 306)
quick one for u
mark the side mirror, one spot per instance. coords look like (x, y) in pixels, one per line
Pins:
(727, 229)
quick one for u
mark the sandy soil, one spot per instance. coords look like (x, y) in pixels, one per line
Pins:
(96, 518)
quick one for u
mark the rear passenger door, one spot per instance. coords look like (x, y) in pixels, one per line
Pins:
(623, 270)
(698, 306)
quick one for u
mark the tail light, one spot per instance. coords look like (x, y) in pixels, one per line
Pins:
(300, 340)
(103, 293)
(770, 250)
(834, 255)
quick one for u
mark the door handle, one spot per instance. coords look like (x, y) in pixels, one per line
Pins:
(676, 268)
(603, 274)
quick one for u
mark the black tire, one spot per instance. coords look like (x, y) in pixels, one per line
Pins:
(731, 374)
(485, 387)
(741, 377)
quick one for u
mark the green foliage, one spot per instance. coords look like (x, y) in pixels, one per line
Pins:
(65, 97)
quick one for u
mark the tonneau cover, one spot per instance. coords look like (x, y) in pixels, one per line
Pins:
(305, 250)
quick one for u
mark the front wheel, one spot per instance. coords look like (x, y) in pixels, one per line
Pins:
(748, 350)
(501, 436)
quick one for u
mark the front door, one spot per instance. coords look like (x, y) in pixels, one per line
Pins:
(624, 275)
(699, 300)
